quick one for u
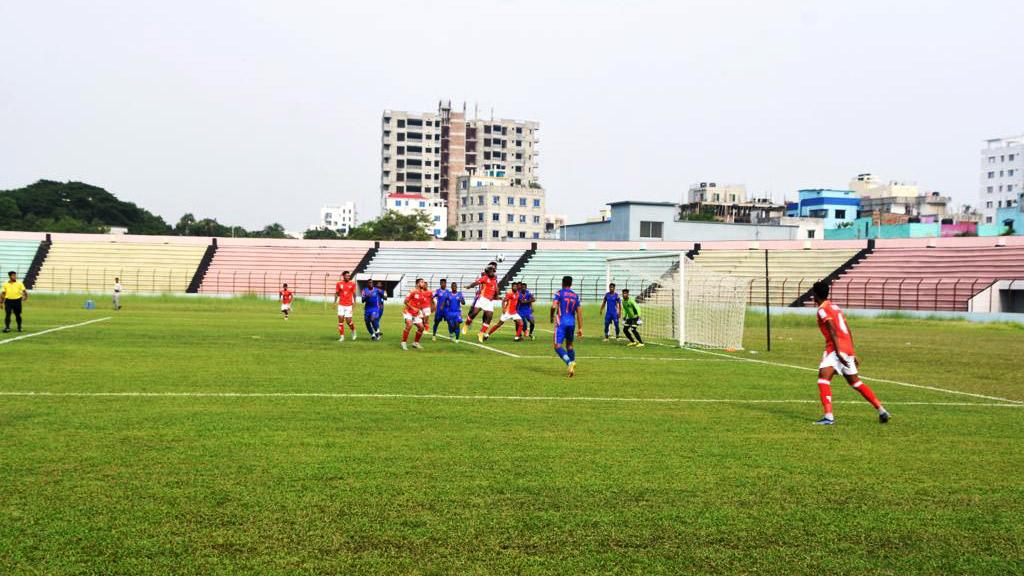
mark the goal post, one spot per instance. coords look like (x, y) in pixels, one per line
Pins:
(680, 300)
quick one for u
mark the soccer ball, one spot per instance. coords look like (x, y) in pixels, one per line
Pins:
(499, 258)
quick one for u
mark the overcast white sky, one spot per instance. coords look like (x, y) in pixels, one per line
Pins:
(260, 111)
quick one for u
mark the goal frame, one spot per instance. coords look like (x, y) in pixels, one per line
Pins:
(680, 288)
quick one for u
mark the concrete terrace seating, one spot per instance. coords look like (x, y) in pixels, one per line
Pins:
(790, 272)
(142, 267)
(941, 279)
(254, 269)
(404, 265)
(543, 273)
(17, 255)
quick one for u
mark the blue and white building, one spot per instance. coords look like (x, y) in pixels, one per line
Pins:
(408, 204)
(834, 207)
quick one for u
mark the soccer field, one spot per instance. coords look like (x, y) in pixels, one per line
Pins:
(208, 436)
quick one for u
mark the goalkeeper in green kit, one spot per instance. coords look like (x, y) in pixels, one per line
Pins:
(631, 317)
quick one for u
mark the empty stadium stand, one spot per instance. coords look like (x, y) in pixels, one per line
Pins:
(790, 272)
(543, 273)
(261, 269)
(401, 266)
(17, 255)
(89, 266)
(921, 278)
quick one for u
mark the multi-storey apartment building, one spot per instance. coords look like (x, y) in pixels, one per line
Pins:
(1002, 176)
(496, 208)
(338, 217)
(426, 153)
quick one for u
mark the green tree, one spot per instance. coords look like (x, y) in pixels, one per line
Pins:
(10, 214)
(274, 230)
(75, 206)
(394, 226)
(320, 234)
(451, 235)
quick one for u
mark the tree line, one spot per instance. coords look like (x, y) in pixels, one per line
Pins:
(49, 206)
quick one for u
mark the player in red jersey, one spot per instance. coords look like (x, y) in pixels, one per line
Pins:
(839, 356)
(509, 311)
(345, 298)
(417, 310)
(285, 297)
(488, 284)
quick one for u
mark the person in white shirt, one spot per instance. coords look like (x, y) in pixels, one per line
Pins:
(117, 293)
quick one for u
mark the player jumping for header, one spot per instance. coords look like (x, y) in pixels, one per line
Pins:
(345, 298)
(568, 321)
(614, 311)
(485, 301)
(285, 297)
(838, 357)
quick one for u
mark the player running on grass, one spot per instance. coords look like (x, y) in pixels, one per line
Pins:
(526, 301)
(631, 318)
(568, 321)
(373, 305)
(509, 311)
(417, 301)
(345, 298)
(440, 298)
(838, 356)
(453, 312)
(488, 284)
(614, 311)
(285, 297)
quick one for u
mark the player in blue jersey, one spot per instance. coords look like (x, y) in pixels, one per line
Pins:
(568, 320)
(440, 299)
(526, 301)
(453, 312)
(613, 312)
(373, 306)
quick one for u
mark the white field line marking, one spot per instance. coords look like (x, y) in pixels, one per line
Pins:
(356, 395)
(638, 358)
(602, 339)
(478, 345)
(883, 380)
(9, 340)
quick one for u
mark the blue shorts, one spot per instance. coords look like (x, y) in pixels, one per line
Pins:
(610, 317)
(454, 318)
(372, 313)
(565, 334)
(526, 314)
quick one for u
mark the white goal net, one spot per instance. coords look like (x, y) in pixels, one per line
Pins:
(679, 300)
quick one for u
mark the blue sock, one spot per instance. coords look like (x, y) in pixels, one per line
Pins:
(616, 327)
(572, 354)
(607, 323)
(561, 354)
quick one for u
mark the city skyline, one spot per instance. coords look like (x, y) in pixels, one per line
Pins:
(265, 113)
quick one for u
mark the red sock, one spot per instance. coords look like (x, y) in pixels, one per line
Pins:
(419, 334)
(494, 329)
(405, 335)
(341, 328)
(866, 393)
(825, 392)
(485, 329)
(469, 322)
(519, 330)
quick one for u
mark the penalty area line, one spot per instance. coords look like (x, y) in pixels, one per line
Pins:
(41, 332)
(464, 397)
(478, 345)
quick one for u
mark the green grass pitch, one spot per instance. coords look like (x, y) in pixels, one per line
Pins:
(208, 436)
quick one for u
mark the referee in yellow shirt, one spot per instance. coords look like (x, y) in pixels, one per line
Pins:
(12, 295)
